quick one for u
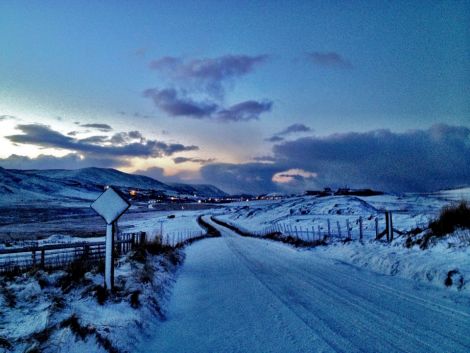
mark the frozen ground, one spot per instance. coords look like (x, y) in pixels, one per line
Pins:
(168, 223)
(308, 212)
(446, 261)
(48, 312)
(238, 294)
(32, 222)
(444, 264)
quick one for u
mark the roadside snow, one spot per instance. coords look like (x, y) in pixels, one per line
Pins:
(45, 311)
(445, 263)
(313, 213)
(253, 295)
(168, 222)
(449, 258)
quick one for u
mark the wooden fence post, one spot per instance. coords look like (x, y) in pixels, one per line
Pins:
(143, 238)
(86, 251)
(348, 228)
(329, 228)
(43, 259)
(387, 226)
(391, 227)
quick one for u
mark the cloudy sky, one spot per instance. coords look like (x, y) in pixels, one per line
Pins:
(250, 96)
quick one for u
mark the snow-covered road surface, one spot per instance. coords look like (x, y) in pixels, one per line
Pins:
(238, 294)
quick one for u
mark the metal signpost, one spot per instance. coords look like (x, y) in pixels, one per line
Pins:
(110, 206)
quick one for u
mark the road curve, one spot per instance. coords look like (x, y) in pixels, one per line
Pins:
(237, 294)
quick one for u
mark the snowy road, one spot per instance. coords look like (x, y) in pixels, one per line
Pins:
(239, 294)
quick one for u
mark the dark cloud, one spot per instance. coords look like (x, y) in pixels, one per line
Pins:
(252, 178)
(416, 161)
(202, 161)
(264, 159)
(94, 139)
(159, 174)
(44, 136)
(135, 115)
(274, 138)
(135, 135)
(291, 129)
(294, 128)
(208, 73)
(121, 138)
(174, 105)
(153, 172)
(69, 161)
(8, 117)
(100, 127)
(329, 59)
(245, 111)
(72, 133)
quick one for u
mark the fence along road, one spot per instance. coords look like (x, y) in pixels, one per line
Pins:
(238, 294)
(55, 256)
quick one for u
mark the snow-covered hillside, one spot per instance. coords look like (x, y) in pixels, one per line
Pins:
(23, 186)
(445, 260)
(309, 212)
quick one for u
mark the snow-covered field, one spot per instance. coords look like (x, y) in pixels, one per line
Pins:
(245, 283)
(312, 213)
(166, 223)
(445, 263)
(48, 312)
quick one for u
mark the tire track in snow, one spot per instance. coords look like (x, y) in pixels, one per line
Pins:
(365, 313)
(354, 296)
(332, 324)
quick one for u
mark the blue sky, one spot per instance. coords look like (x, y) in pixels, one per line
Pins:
(334, 67)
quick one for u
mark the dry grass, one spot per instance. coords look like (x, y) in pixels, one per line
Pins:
(451, 218)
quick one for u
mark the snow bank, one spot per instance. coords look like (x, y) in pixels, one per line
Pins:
(170, 222)
(446, 263)
(43, 311)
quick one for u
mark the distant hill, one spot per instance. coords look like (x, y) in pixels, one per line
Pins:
(22, 186)
(458, 194)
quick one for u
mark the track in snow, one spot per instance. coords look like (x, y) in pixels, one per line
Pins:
(238, 294)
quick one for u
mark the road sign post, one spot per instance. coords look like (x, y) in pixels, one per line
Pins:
(110, 206)
(109, 257)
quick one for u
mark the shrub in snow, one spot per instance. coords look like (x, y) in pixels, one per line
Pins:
(451, 218)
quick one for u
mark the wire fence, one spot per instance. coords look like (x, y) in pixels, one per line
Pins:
(342, 229)
(54, 256)
(178, 238)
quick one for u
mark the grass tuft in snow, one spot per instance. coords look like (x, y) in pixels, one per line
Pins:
(454, 278)
(451, 218)
(4, 343)
(83, 332)
(8, 295)
(75, 273)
